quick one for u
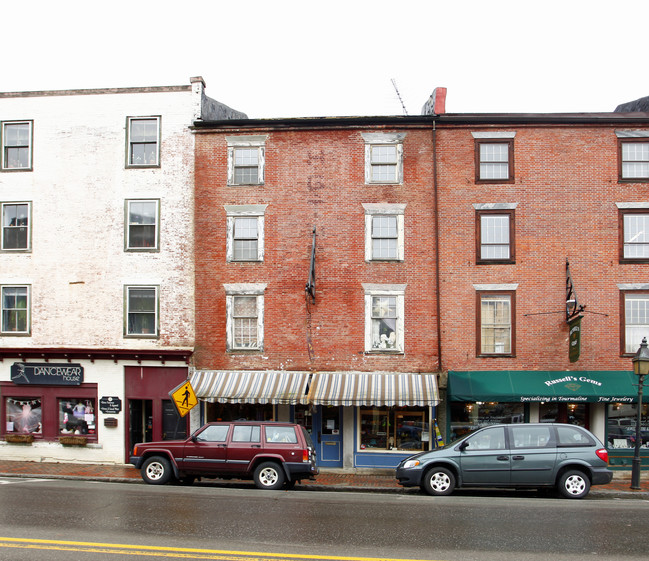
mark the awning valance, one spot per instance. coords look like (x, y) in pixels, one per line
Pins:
(544, 386)
(373, 389)
(265, 386)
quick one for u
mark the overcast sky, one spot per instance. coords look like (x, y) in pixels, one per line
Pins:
(289, 58)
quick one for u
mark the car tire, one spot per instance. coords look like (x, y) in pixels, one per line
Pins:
(439, 481)
(156, 470)
(269, 475)
(574, 484)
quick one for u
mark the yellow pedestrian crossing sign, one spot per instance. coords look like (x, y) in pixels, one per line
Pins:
(184, 398)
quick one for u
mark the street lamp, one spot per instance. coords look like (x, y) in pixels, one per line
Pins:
(641, 369)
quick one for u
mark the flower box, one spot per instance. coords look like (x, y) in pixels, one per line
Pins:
(73, 440)
(19, 438)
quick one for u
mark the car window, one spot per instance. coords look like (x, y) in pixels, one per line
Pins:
(487, 439)
(214, 433)
(281, 434)
(531, 437)
(245, 433)
(571, 436)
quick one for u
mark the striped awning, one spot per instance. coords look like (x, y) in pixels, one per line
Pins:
(374, 388)
(264, 386)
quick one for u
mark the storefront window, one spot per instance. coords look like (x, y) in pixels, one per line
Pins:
(77, 416)
(238, 412)
(468, 416)
(570, 413)
(23, 415)
(385, 428)
(622, 424)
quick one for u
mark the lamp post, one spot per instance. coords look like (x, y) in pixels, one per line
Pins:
(641, 369)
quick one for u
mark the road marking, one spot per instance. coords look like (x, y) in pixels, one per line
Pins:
(22, 480)
(177, 552)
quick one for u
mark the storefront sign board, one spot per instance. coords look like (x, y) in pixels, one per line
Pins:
(47, 374)
(110, 405)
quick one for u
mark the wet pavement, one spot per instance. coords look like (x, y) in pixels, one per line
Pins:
(329, 480)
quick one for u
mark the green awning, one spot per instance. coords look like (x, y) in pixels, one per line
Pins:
(544, 386)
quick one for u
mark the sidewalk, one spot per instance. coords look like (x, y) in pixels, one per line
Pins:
(330, 480)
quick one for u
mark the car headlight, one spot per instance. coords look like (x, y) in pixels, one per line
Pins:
(411, 464)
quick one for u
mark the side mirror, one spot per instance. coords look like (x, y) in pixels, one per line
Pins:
(463, 446)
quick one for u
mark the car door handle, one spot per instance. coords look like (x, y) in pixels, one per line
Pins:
(502, 458)
(255, 446)
(518, 457)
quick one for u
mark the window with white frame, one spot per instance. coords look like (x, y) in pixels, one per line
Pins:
(634, 232)
(17, 145)
(142, 218)
(245, 232)
(244, 316)
(246, 159)
(496, 305)
(143, 141)
(494, 156)
(383, 157)
(141, 311)
(384, 232)
(633, 155)
(16, 230)
(495, 233)
(15, 309)
(636, 316)
(384, 318)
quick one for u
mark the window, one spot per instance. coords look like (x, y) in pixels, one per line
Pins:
(634, 232)
(383, 157)
(213, 433)
(16, 226)
(77, 416)
(524, 436)
(245, 232)
(384, 313)
(143, 141)
(384, 232)
(280, 434)
(142, 311)
(17, 145)
(245, 316)
(23, 415)
(494, 157)
(495, 233)
(246, 159)
(636, 318)
(487, 439)
(246, 433)
(633, 155)
(15, 310)
(495, 323)
(387, 428)
(142, 225)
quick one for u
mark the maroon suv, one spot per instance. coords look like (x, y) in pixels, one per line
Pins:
(270, 453)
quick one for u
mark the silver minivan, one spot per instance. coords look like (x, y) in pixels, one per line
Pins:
(567, 457)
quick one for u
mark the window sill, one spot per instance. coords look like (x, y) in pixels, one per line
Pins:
(379, 352)
(496, 262)
(499, 355)
(494, 181)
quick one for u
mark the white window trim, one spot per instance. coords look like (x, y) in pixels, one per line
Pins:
(380, 138)
(244, 289)
(236, 211)
(129, 120)
(156, 312)
(28, 330)
(372, 290)
(29, 226)
(3, 164)
(248, 141)
(127, 233)
(375, 209)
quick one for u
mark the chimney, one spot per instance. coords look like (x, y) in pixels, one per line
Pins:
(436, 104)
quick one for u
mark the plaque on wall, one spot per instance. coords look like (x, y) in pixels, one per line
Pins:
(47, 374)
(110, 405)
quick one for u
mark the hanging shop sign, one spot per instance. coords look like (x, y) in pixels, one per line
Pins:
(574, 329)
(110, 405)
(46, 374)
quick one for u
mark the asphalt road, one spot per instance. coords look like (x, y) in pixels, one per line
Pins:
(63, 520)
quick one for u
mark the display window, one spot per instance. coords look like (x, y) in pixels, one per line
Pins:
(570, 413)
(621, 425)
(23, 415)
(387, 428)
(238, 412)
(468, 416)
(77, 416)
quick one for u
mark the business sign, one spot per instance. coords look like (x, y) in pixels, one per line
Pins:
(46, 374)
(574, 329)
(110, 405)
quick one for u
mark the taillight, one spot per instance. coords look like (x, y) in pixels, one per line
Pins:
(305, 455)
(602, 454)
(135, 451)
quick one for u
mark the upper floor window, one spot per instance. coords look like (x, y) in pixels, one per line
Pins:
(142, 218)
(16, 226)
(17, 145)
(246, 159)
(633, 155)
(245, 232)
(383, 157)
(495, 319)
(143, 141)
(634, 232)
(245, 316)
(384, 317)
(495, 233)
(384, 232)
(494, 157)
(635, 314)
(15, 310)
(141, 311)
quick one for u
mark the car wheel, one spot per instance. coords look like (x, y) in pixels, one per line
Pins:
(156, 470)
(439, 481)
(269, 475)
(574, 484)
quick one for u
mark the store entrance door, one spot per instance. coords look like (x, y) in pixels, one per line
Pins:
(140, 422)
(327, 426)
